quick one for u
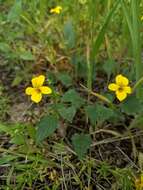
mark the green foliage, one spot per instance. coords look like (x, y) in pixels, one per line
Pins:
(4, 103)
(123, 177)
(27, 56)
(137, 122)
(100, 37)
(104, 170)
(46, 127)
(131, 105)
(19, 133)
(7, 159)
(65, 78)
(67, 113)
(15, 11)
(69, 34)
(71, 96)
(4, 47)
(98, 113)
(109, 67)
(93, 37)
(81, 143)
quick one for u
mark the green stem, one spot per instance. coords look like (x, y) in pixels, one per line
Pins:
(138, 83)
(99, 96)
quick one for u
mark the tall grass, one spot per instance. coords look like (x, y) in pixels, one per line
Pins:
(133, 22)
(97, 42)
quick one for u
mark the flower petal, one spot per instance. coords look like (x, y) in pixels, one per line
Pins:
(36, 97)
(128, 89)
(113, 87)
(45, 90)
(29, 90)
(121, 95)
(56, 10)
(121, 80)
(38, 81)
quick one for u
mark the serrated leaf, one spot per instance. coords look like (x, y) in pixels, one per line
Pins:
(27, 56)
(73, 97)
(15, 11)
(67, 113)
(81, 143)
(46, 127)
(131, 105)
(65, 79)
(98, 113)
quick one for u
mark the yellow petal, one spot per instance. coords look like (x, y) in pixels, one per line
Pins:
(121, 95)
(45, 90)
(56, 10)
(121, 80)
(36, 97)
(113, 87)
(128, 89)
(38, 81)
(29, 90)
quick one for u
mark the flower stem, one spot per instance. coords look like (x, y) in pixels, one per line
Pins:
(101, 97)
(138, 83)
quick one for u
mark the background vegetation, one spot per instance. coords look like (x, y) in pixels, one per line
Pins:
(80, 136)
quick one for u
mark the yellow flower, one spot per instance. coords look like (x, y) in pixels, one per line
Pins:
(121, 87)
(56, 10)
(38, 89)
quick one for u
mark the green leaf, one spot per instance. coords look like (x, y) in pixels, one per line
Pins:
(17, 80)
(131, 105)
(15, 11)
(73, 97)
(69, 34)
(4, 47)
(5, 128)
(137, 122)
(65, 79)
(109, 67)
(102, 32)
(46, 127)
(18, 139)
(98, 113)
(27, 56)
(81, 143)
(67, 113)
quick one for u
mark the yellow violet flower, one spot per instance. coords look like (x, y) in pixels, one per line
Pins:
(38, 89)
(56, 10)
(121, 87)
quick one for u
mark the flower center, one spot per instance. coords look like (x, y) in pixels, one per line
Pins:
(38, 90)
(121, 88)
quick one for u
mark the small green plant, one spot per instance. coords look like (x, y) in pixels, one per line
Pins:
(78, 129)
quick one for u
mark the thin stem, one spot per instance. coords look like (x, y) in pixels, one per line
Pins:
(101, 97)
(138, 83)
